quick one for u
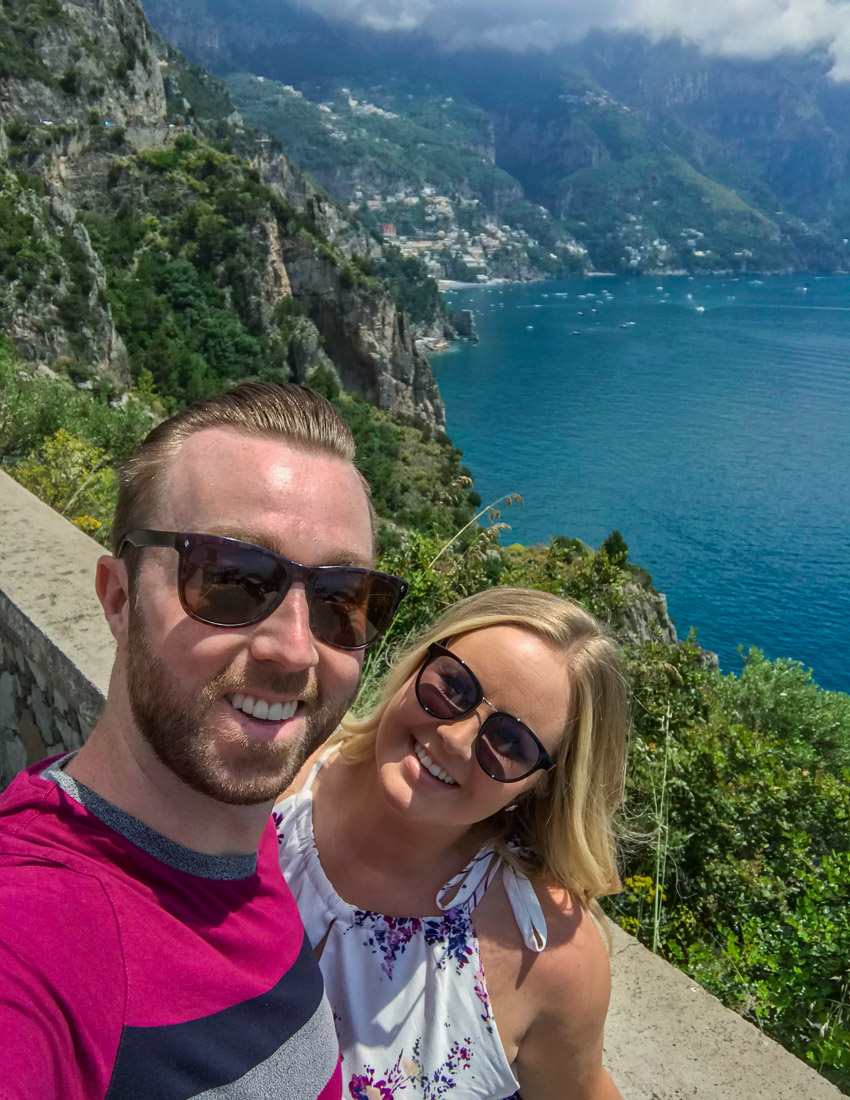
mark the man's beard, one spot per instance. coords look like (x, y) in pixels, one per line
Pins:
(230, 767)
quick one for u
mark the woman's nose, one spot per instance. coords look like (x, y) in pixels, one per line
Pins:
(459, 735)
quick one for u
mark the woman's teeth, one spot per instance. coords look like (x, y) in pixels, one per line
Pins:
(259, 708)
(429, 765)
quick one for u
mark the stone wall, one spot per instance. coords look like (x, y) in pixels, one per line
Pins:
(55, 648)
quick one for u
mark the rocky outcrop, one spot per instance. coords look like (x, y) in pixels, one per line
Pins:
(643, 616)
(95, 55)
(463, 323)
(97, 90)
(365, 335)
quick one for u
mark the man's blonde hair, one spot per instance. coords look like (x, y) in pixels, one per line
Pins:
(292, 413)
(566, 822)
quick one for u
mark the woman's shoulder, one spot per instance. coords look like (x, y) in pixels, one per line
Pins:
(575, 964)
(551, 1003)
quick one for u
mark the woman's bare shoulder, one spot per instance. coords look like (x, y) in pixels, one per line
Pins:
(575, 960)
(570, 987)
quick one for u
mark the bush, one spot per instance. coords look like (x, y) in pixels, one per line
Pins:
(69, 81)
(17, 131)
(75, 478)
(32, 408)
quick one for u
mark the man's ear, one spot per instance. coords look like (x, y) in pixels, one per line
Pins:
(112, 587)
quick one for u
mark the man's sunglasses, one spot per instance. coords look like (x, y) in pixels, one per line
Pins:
(225, 582)
(505, 748)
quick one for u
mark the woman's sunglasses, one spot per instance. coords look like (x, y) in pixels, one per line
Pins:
(225, 582)
(505, 748)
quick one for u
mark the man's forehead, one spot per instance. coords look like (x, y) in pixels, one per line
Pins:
(213, 456)
(226, 444)
(223, 478)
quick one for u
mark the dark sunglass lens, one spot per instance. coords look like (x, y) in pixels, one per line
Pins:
(506, 750)
(446, 689)
(230, 585)
(351, 608)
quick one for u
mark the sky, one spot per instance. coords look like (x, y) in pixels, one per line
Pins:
(757, 29)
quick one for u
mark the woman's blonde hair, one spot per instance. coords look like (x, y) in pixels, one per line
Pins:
(563, 825)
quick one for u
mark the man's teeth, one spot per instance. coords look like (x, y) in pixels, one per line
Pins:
(430, 766)
(259, 708)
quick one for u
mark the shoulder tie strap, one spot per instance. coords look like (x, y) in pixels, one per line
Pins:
(468, 887)
(317, 767)
(527, 910)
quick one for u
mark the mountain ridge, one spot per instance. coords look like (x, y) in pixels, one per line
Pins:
(611, 100)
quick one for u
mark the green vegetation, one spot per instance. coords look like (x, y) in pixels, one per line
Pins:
(27, 249)
(409, 284)
(742, 785)
(634, 203)
(433, 144)
(62, 441)
(207, 97)
(657, 196)
(411, 141)
(74, 477)
(20, 26)
(185, 284)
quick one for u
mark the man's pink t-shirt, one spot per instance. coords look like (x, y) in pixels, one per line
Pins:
(133, 967)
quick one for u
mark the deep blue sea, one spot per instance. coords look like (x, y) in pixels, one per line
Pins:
(706, 419)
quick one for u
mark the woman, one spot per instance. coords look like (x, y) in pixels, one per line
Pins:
(447, 850)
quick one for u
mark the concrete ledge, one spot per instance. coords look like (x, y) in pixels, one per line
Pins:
(56, 650)
(47, 569)
(668, 1039)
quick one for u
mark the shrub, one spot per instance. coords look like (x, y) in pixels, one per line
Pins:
(75, 478)
(69, 81)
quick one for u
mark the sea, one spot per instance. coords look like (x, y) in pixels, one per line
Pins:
(707, 419)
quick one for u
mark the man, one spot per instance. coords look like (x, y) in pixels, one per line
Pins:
(148, 945)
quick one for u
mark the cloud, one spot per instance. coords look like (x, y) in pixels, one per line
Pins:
(757, 29)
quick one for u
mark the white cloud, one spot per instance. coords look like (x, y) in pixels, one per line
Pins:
(730, 28)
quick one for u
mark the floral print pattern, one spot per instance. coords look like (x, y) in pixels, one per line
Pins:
(389, 936)
(429, 1086)
(408, 994)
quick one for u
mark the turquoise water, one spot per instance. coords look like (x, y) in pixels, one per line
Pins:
(707, 419)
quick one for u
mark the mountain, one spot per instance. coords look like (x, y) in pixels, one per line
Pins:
(145, 228)
(420, 169)
(643, 158)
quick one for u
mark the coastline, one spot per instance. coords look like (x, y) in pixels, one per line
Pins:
(454, 284)
(444, 285)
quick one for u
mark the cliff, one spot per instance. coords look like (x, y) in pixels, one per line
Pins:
(121, 168)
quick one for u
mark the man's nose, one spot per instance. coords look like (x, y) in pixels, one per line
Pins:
(284, 637)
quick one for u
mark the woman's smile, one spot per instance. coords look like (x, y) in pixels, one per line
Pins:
(429, 766)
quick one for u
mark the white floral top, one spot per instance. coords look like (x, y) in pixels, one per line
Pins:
(408, 993)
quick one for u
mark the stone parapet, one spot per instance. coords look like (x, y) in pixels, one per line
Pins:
(666, 1038)
(56, 650)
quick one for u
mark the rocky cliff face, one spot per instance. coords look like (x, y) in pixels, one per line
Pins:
(90, 98)
(644, 617)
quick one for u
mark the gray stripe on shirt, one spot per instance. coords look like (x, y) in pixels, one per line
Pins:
(143, 836)
(302, 1067)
